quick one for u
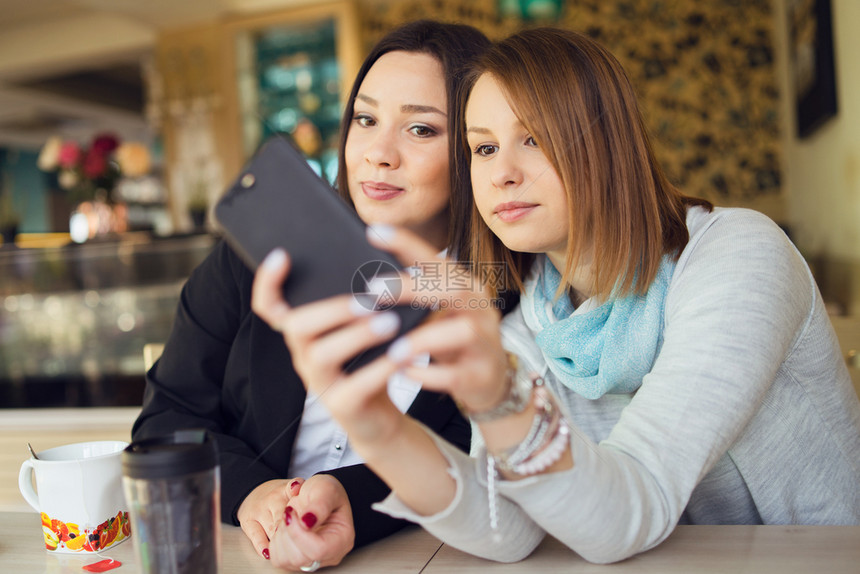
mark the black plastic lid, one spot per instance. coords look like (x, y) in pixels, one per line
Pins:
(177, 454)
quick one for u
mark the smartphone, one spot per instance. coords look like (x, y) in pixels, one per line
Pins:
(279, 201)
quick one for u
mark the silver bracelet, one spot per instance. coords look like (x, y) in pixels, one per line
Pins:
(516, 399)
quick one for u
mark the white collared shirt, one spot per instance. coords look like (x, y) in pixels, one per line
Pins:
(321, 444)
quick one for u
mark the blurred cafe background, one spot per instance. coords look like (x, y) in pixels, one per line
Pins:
(122, 122)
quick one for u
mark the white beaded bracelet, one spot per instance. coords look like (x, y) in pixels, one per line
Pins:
(544, 445)
(544, 424)
(547, 456)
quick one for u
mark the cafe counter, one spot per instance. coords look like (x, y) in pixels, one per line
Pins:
(74, 318)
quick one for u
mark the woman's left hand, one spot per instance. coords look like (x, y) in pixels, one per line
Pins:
(316, 526)
(262, 509)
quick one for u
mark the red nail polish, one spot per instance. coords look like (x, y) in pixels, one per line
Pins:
(287, 517)
(309, 518)
(294, 484)
(266, 553)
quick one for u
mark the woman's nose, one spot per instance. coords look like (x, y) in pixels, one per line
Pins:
(382, 151)
(505, 171)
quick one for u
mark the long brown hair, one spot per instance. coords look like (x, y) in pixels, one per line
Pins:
(455, 46)
(577, 102)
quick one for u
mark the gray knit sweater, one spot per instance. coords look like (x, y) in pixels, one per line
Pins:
(747, 417)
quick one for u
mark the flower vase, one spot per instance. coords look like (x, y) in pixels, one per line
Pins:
(98, 218)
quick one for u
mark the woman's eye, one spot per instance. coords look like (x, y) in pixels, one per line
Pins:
(485, 150)
(422, 131)
(530, 141)
(363, 120)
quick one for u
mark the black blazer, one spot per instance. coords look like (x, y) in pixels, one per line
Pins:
(225, 370)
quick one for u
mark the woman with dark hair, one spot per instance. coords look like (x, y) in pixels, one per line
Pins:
(452, 50)
(225, 370)
(669, 362)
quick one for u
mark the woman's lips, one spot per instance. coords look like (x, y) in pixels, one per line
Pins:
(380, 191)
(513, 210)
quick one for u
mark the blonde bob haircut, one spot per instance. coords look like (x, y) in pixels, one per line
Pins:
(577, 102)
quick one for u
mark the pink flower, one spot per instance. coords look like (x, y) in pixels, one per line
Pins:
(70, 154)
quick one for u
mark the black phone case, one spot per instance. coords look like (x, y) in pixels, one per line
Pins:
(279, 201)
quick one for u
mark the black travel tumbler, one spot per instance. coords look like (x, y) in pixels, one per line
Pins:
(172, 487)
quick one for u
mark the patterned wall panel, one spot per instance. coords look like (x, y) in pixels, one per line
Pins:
(704, 71)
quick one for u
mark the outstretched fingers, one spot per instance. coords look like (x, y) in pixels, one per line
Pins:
(469, 361)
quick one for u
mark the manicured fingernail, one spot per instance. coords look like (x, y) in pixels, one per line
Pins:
(309, 518)
(362, 304)
(294, 484)
(399, 350)
(380, 232)
(266, 553)
(287, 517)
(275, 259)
(385, 323)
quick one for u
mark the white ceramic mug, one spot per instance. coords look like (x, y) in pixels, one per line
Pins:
(79, 493)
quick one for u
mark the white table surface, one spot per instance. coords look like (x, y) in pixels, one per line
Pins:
(697, 549)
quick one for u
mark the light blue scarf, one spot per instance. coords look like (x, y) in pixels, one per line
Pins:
(599, 350)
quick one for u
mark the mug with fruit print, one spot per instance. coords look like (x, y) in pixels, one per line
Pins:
(79, 494)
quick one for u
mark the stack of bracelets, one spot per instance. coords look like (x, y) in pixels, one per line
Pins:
(545, 442)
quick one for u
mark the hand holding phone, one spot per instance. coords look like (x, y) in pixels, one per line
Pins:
(279, 201)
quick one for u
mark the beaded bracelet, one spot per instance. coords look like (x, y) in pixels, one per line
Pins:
(548, 455)
(544, 425)
(543, 446)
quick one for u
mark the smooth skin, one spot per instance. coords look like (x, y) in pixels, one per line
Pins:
(529, 218)
(397, 148)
